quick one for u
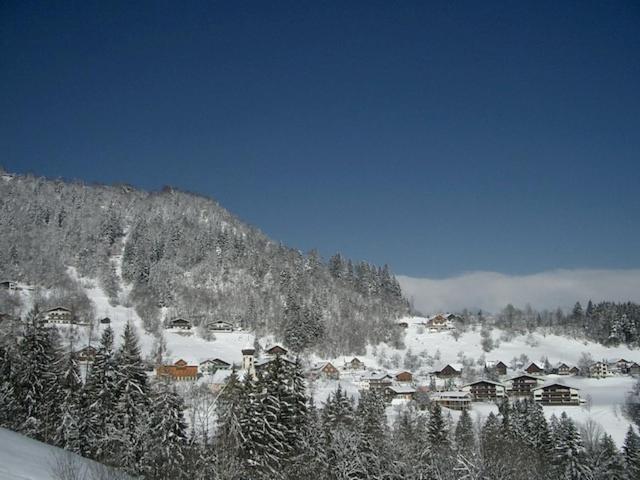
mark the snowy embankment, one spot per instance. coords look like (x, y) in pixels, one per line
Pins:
(22, 458)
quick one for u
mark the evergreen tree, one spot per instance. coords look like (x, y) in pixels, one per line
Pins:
(465, 440)
(68, 432)
(437, 434)
(631, 450)
(165, 437)
(228, 439)
(568, 453)
(608, 464)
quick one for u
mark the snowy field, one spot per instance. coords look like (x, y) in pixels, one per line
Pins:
(22, 458)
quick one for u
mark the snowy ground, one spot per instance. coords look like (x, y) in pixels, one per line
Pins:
(22, 458)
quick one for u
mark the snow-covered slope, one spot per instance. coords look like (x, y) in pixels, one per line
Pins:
(22, 458)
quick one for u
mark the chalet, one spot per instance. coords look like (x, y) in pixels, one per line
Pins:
(58, 316)
(453, 400)
(399, 392)
(8, 285)
(439, 323)
(498, 366)
(403, 377)
(276, 350)
(562, 369)
(179, 371)
(86, 354)
(574, 371)
(534, 369)
(378, 381)
(484, 390)
(556, 393)
(180, 323)
(105, 321)
(355, 364)
(634, 369)
(621, 366)
(522, 385)
(218, 380)
(599, 370)
(220, 326)
(325, 370)
(449, 371)
(212, 365)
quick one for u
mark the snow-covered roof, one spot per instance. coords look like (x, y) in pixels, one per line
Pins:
(456, 366)
(498, 384)
(520, 374)
(400, 389)
(451, 395)
(558, 382)
(377, 376)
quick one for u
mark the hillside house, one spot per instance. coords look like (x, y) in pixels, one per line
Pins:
(439, 323)
(378, 381)
(355, 364)
(180, 323)
(324, 370)
(562, 369)
(403, 377)
(621, 366)
(220, 326)
(556, 393)
(485, 390)
(453, 400)
(179, 371)
(450, 370)
(497, 366)
(574, 371)
(534, 369)
(86, 354)
(58, 316)
(9, 285)
(276, 350)
(522, 385)
(634, 369)
(599, 370)
(212, 365)
(399, 392)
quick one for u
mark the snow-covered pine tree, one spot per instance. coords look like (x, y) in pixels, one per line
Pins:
(228, 437)
(98, 401)
(33, 379)
(631, 450)
(67, 434)
(437, 435)
(568, 453)
(371, 421)
(165, 438)
(465, 438)
(338, 410)
(608, 463)
(131, 407)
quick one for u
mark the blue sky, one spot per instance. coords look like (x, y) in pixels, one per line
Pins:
(438, 137)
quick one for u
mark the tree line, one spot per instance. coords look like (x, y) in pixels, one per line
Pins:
(268, 427)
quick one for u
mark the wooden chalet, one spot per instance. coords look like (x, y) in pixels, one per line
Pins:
(453, 400)
(449, 371)
(556, 393)
(621, 366)
(534, 369)
(180, 323)
(276, 350)
(634, 369)
(325, 370)
(220, 326)
(355, 364)
(522, 385)
(86, 354)
(179, 371)
(484, 390)
(378, 381)
(497, 366)
(574, 371)
(563, 369)
(58, 316)
(212, 365)
(438, 323)
(399, 392)
(403, 377)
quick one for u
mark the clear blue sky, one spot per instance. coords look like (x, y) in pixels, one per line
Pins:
(439, 137)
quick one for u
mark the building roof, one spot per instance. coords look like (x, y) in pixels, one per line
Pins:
(453, 395)
(214, 360)
(523, 374)
(400, 389)
(491, 382)
(558, 382)
(378, 376)
(59, 308)
(456, 366)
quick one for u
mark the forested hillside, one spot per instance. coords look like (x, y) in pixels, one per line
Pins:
(172, 253)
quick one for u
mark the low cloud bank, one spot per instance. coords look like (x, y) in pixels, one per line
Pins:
(491, 291)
